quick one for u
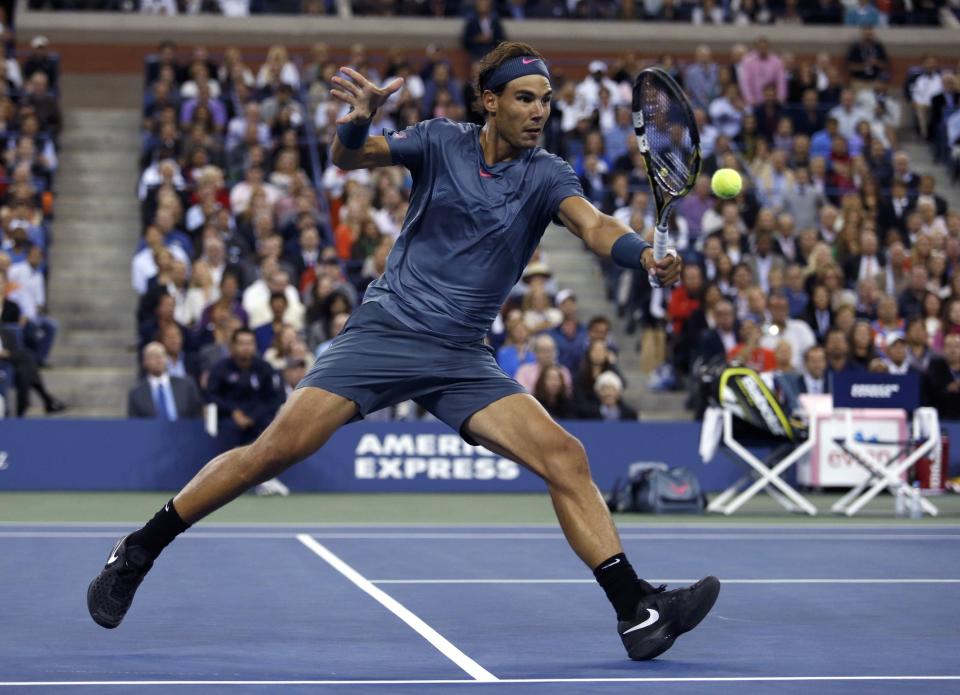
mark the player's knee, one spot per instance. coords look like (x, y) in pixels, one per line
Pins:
(566, 462)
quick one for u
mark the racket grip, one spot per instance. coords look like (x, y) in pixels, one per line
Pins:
(660, 239)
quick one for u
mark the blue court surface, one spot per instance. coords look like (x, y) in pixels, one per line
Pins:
(493, 609)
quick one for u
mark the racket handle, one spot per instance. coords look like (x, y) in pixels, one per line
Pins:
(660, 239)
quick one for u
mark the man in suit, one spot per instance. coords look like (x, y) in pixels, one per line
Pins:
(716, 342)
(943, 104)
(892, 213)
(942, 380)
(160, 395)
(868, 265)
(813, 379)
(764, 259)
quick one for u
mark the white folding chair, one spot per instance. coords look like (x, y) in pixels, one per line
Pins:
(891, 474)
(762, 476)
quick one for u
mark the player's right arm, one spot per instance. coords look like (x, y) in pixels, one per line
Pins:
(364, 98)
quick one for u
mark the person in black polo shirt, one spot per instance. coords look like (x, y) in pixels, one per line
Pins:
(244, 389)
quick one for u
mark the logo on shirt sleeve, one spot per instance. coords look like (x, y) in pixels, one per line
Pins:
(398, 135)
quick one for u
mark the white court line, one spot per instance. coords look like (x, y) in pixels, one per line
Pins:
(498, 536)
(428, 633)
(720, 526)
(502, 681)
(668, 581)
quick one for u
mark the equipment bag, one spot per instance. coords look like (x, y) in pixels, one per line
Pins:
(654, 487)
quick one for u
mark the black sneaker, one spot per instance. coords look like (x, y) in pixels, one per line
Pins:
(110, 594)
(664, 615)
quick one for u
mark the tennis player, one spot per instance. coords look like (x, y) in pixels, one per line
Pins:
(481, 199)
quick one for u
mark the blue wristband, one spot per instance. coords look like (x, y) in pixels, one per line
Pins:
(627, 251)
(353, 133)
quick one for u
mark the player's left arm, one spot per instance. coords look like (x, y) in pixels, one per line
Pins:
(600, 232)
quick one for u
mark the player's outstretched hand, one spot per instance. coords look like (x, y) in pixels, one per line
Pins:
(666, 271)
(361, 94)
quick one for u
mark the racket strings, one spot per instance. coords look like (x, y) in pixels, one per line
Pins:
(668, 137)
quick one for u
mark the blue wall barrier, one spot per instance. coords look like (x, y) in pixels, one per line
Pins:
(362, 457)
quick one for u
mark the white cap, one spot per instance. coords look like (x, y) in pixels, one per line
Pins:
(38, 41)
(597, 66)
(564, 295)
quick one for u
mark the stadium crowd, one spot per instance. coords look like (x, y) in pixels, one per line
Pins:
(835, 252)
(30, 123)
(700, 12)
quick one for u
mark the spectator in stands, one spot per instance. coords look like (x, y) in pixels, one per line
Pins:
(813, 379)
(588, 91)
(910, 301)
(222, 326)
(482, 30)
(949, 326)
(837, 349)
(862, 13)
(684, 301)
(179, 363)
(552, 393)
(45, 105)
(701, 79)
(545, 353)
(267, 332)
(244, 389)
(26, 373)
(256, 300)
(748, 351)
(40, 60)
(943, 104)
(516, 350)
(570, 335)
(760, 68)
(862, 350)
(596, 360)
(781, 327)
(848, 114)
(281, 347)
(609, 405)
(867, 264)
(918, 345)
(202, 292)
(922, 90)
(716, 342)
(897, 361)
(30, 294)
(276, 70)
(160, 395)
(337, 324)
(942, 380)
(867, 58)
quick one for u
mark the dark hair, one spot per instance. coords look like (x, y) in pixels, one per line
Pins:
(596, 320)
(241, 331)
(278, 295)
(561, 405)
(504, 51)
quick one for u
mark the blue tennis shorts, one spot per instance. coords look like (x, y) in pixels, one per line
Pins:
(377, 362)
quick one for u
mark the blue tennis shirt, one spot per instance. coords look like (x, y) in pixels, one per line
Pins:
(470, 229)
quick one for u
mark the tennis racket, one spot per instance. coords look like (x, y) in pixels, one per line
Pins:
(669, 141)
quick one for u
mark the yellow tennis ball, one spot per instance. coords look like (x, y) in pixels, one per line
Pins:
(726, 183)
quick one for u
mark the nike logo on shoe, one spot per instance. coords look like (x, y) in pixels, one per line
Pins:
(113, 553)
(654, 617)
